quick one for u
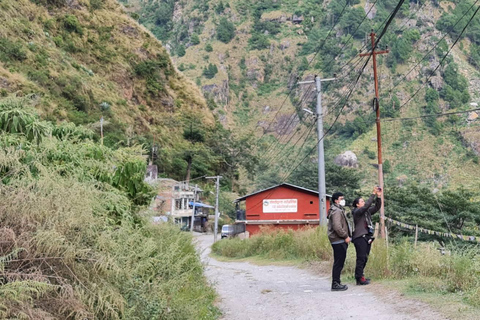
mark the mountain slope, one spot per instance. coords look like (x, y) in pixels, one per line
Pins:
(84, 59)
(250, 72)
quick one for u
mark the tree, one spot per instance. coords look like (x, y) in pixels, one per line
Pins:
(181, 50)
(210, 71)
(259, 41)
(225, 30)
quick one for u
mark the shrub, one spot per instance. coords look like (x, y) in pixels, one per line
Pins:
(259, 41)
(56, 3)
(208, 47)
(71, 24)
(10, 50)
(210, 71)
(181, 50)
(96, 4)
(225, 30)
(194, 39)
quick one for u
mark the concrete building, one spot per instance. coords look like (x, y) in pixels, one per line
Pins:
(175, 200)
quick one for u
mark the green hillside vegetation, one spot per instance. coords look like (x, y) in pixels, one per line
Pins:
(270, 50)
(76, 243)
(84, 60)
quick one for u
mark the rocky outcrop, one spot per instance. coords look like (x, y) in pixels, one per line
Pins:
(370, 10)
(219, 93)
(436, 82)
(347, 159)
(177, 12)
(4, 83)
(284, 45)
(286, 124)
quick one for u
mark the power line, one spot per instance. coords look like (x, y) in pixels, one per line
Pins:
(431, 115)
(429, 51)
(305, 134)
(444, 57)
(288, 123)
(392, 16)
(293, 86)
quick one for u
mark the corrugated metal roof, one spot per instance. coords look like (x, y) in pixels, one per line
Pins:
(279, 185)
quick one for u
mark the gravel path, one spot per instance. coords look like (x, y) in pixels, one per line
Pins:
(248, 291)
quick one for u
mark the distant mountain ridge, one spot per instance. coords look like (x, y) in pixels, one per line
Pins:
(246, 57)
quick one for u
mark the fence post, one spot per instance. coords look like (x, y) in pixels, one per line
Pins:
(416, 235)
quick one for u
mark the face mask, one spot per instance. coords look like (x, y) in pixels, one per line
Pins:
(342, 203)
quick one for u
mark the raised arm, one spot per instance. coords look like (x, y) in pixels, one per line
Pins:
(378, 205)
(361, 211)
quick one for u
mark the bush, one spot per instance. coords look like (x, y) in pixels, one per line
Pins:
(56, 3)
(96, 4)
(194, 39)
(181, 50)
(225, 30)
(10, 50)
(208, 47)
(259, 42)
(71, 24)
(370, 154)
(210, 71)
(309, 244)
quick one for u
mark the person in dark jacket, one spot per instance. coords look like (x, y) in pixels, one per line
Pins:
(363, 234)
(339, 234)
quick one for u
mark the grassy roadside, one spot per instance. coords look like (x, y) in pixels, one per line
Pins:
(449, 283)
(450, 305)
(75, 240)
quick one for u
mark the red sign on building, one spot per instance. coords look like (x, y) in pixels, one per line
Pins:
(283, 206)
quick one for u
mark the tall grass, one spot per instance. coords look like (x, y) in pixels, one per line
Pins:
(73, 263)
(308, 244)
(72, 244)
(457, 271)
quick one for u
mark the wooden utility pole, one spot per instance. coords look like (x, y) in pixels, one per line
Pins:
(376, 106)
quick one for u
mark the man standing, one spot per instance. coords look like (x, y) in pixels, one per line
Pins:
(339, 234)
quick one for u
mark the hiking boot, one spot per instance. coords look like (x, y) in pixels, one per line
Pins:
(339, 287)
(362, 281)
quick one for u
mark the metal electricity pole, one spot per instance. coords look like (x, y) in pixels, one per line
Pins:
(217, 185)
(193, 211)
(376, 106)
(321, 157)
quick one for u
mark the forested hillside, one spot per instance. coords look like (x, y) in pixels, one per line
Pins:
(247, 56)
(77, 241)
(82, 60)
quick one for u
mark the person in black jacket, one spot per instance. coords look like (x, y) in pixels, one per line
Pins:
(363, 234)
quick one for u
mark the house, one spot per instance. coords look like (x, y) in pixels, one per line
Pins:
(283, 206)
(176, 201)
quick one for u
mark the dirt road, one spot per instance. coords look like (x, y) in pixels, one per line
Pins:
(249, 291)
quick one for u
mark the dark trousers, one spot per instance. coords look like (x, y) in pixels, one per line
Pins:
(339, 255)
(363, 250)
